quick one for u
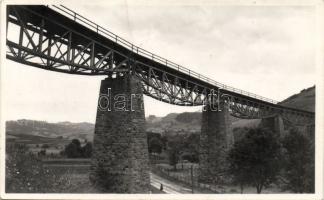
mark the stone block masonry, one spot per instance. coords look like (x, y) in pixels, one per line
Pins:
(120, 155)
(215, 141)
(275, 124)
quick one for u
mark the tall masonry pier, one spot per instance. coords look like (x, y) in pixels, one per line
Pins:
(215, 140)
(120, 159)
(52, 38)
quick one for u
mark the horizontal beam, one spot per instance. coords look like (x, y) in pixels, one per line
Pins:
(64, 45)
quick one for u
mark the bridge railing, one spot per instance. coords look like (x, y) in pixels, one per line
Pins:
(138, 50)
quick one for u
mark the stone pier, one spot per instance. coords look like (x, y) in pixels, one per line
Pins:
(275, 124)
(215, 141)
(120, 156)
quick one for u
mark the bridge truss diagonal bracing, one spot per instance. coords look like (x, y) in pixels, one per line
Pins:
(58, 39)
(64, 50)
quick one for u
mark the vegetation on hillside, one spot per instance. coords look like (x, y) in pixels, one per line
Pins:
(299, 169)
(305, 100)
(254, 160)
(257, 158)
(39, 130)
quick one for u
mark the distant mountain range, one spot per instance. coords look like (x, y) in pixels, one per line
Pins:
(25, 130)
(190, 122)
(173, 123)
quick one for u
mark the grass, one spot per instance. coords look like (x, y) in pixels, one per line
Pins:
(78, 172)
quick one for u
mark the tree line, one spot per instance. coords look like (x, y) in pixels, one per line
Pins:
(258, 158)
(261, 158)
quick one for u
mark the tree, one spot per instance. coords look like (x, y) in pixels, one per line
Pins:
(73, 150)
(175, 145)
(193, 158)
(190, 148)
(76, 142)
(87, 150)
(42, 152)
(164, 140)
(299, 162)
(254, 160)
(155, 145)
(173, 157)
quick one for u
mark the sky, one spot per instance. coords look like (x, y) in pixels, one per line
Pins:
(266, 50)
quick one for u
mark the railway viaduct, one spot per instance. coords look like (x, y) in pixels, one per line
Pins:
(58, 39)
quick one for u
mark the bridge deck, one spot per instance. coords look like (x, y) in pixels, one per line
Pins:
(67, 19)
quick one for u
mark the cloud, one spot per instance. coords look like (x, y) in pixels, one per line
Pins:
(269, 51)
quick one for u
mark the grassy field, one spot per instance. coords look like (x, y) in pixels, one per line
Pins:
(34, 142)
(78, 174)
(77, 171)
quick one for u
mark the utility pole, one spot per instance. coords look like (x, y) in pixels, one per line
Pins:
(192, 180)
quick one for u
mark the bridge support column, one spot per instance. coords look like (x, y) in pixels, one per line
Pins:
(120, 155)
(275, 124)
(215, 141)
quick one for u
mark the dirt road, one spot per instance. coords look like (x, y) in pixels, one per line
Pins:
(169, 187)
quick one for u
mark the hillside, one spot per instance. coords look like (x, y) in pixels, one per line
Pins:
(304, 100)
(190, 122)
(41, 130)
(173, 123)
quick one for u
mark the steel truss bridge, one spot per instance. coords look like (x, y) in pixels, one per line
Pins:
(58, 39)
